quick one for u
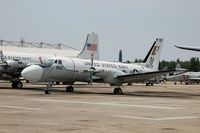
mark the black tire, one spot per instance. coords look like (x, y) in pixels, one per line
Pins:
(129, 84)
(14, 85)
(19, 85)
(69, 89)
(115, 91)
(118, 91)
(147, 84)
(47, 92)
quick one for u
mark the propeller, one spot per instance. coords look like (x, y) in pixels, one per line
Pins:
(91, 68)
(40, 59)
(1, 57)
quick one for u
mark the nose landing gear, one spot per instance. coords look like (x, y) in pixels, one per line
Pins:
(16, 83)
(49, 88)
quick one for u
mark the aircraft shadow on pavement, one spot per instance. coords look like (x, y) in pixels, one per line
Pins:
(142, 93)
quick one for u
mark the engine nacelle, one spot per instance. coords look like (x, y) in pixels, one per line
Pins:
(13, 67)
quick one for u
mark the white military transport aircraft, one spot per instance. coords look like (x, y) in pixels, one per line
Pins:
(65, 69)
(12, 63)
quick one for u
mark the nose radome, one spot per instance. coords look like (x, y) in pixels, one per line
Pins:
(32, 73)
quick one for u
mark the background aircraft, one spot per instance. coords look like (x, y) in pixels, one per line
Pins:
(65, 69)
(12, 63)
(188, 77)
(188, 48)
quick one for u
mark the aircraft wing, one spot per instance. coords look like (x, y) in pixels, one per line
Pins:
(188, 48)
(141, 77)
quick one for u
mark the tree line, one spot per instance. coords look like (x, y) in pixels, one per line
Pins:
(192, 65)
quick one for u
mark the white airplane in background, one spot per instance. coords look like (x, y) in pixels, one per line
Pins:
(65, 69)
(12, 63)
(189, 77)
(186, 77)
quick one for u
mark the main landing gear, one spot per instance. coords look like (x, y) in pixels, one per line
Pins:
(16, 83)
(118, 91)
(49, 88)
(149, 84)
(69, 89)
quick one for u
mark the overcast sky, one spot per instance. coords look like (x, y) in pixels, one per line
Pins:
(130, 25)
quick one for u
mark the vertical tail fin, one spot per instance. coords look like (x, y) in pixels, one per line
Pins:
(91, 47)
(153, 56)
(178, 66)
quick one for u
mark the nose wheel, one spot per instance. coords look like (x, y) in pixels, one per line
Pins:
(17, 84)
(118, 91)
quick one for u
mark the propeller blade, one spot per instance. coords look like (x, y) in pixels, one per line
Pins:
(40, 58)
(91, 73)
(1, 56)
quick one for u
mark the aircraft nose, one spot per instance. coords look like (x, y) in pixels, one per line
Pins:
(32, 73)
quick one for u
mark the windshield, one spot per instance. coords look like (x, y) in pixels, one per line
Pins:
(49, 63)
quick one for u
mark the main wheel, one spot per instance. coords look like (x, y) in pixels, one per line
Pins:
(147, 84)
(117, 91)
(129, 84)
(69, 89)
(14, 85)
(120, 91)
(19, 85)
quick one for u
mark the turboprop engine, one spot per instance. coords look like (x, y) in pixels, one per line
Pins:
(12, 67)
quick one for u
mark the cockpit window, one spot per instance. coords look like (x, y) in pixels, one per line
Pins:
(49, 63)
(55, 62)
(59, 62)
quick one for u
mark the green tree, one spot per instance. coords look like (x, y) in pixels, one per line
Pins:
(194, 64)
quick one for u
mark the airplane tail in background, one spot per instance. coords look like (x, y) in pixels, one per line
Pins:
(91, 47)
(153, 56)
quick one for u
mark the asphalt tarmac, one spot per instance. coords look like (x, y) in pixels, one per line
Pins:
(162, 108)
